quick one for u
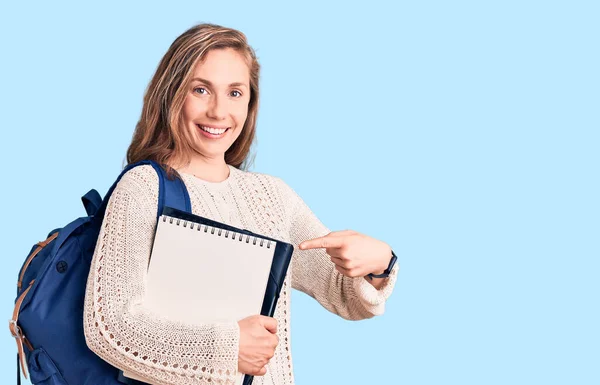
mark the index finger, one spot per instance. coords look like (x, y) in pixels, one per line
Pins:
(322, 242)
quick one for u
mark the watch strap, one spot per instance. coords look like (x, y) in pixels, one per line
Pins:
(386, 272)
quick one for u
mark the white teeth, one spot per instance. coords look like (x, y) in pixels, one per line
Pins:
(213, 130)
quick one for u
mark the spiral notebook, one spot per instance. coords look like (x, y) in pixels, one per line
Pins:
(204, 271)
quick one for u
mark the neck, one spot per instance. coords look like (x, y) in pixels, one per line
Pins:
(210, 170)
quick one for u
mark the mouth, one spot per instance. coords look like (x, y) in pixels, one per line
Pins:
(212, 132)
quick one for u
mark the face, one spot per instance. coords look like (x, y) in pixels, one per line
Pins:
(216, 104)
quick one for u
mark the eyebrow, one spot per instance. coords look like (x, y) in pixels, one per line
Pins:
(236, 84)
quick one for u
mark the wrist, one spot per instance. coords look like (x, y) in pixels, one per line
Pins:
(385, 262)
(386, 271)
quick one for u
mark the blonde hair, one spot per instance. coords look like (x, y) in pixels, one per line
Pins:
(160, 134)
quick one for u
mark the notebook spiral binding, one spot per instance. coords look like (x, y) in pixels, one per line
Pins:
(219, 231)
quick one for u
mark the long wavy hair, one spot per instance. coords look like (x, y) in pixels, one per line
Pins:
(160, 134)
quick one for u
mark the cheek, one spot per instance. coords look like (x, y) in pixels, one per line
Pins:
(241, 113)
(191, 108)
(186, 110)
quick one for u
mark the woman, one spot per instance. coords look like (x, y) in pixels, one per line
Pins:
(198, 119)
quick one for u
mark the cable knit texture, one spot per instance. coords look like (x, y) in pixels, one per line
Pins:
(124, 333)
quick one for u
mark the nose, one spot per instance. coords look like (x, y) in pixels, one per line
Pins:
(217, 109)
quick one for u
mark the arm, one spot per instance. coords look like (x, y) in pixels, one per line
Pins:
(315, 274)
(118, 327)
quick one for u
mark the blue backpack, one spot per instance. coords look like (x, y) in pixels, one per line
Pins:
(47, 322)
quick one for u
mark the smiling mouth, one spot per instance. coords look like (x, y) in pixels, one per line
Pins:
(213, 130)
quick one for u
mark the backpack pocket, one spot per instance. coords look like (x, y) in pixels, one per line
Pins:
(42, 370)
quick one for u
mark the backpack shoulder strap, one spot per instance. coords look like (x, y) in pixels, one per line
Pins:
(174, 193)
(171, 192)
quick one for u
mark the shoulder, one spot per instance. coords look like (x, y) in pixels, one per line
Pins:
(140, 182)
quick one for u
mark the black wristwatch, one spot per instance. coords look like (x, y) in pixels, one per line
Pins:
(386, 272)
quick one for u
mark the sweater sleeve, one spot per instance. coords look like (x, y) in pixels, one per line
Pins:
(117, 325)
(314, 273)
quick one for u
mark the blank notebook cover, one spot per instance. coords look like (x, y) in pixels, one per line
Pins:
(204, 271)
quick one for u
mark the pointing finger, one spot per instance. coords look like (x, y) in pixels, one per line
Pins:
(322, 242)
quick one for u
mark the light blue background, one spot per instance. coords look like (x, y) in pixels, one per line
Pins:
(464, 134)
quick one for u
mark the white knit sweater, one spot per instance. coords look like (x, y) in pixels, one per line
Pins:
(124, 333)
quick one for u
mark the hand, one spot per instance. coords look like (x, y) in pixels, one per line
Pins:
(354, 254)
(258, 340)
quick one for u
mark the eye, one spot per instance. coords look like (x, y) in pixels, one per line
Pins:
(239, 94)
(200, 88)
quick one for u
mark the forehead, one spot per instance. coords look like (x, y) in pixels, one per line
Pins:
(223, 66)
